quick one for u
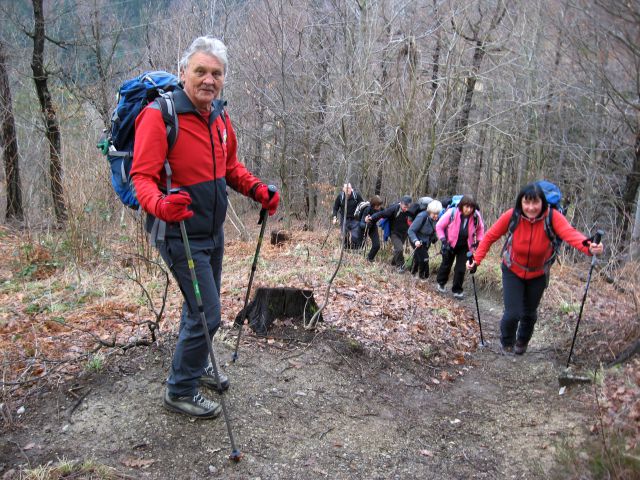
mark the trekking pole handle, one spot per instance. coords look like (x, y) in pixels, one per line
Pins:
(469, 261)
(598, 236)
(596, 239)
(272, 189)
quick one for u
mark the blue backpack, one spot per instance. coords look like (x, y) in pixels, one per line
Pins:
(450, 205)
(117, 142)
(553, 195)
(385, 225)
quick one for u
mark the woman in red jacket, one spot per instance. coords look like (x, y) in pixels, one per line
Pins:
(524, 262)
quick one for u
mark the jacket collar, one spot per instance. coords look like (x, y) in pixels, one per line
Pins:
(539, 218)
(184, 105)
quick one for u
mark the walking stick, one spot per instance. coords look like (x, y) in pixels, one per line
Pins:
(475, 294)
(365, 236)
(596, 239)
(262, 220)
(235, 455)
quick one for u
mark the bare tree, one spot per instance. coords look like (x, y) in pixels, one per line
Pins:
(481, 38)
(611, 53)
(50, 118)
(9, 143)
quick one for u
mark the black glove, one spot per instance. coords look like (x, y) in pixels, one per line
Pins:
(470, 261)
(445, 247)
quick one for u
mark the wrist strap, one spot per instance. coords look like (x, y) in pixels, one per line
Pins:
(252, 192)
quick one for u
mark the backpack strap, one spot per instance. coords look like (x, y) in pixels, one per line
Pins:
(398, 211)
(506, 247)
(423, 220)
(554, 240)
(476, 219)
(553, 237)
(170, 117)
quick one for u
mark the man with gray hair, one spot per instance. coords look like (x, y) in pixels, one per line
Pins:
(190, 187)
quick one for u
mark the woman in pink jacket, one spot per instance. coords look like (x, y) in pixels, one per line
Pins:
(460, 230)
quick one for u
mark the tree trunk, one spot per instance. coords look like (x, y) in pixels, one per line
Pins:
(462, 123)
(9, 144)
(630, 191)
(52, 129)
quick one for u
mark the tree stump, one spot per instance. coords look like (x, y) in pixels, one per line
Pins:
(279, 237)
(271, 303)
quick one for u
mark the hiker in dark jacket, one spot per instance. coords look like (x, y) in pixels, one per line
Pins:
(460, 229)
(203, 163)
(524, 265)
(399, 220)
(422, 233)
(371, 229)
(350, 226)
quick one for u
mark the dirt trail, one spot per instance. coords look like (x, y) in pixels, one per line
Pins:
(318, 410)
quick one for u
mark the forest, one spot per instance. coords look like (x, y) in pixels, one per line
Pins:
(396, 97)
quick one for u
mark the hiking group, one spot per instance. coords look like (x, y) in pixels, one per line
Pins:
(184, 159)
(458, 226)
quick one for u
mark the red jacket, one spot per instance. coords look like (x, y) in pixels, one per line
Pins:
(530, 246)
(203, 162)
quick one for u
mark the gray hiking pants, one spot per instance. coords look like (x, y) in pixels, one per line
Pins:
(191, 354)
(398, 249)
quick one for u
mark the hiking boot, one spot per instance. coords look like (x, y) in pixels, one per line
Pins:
(506, 349)
(208, 379)
(441, 288)
(520, 348)
(194, 406)
(458, 295)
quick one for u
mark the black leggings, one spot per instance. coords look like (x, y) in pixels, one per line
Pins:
(372, 231)
(421, 261)
(459, 255)
(521, 300)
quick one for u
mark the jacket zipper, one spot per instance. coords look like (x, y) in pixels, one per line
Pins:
(215, 182)
(529, 250)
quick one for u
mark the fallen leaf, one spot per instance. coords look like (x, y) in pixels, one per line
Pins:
(426, 453)
(29, 446)
(444, 375)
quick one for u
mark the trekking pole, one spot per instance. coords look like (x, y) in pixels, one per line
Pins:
(235, 455)
(262, 220)
(596, 239)
(475, 294)
(365, 237)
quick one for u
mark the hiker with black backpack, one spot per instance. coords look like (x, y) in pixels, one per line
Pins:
(370, 229)
(459, 229)
(348, 199)
(528, 252)
(422, 233)
(184, 187)
(399, 220)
